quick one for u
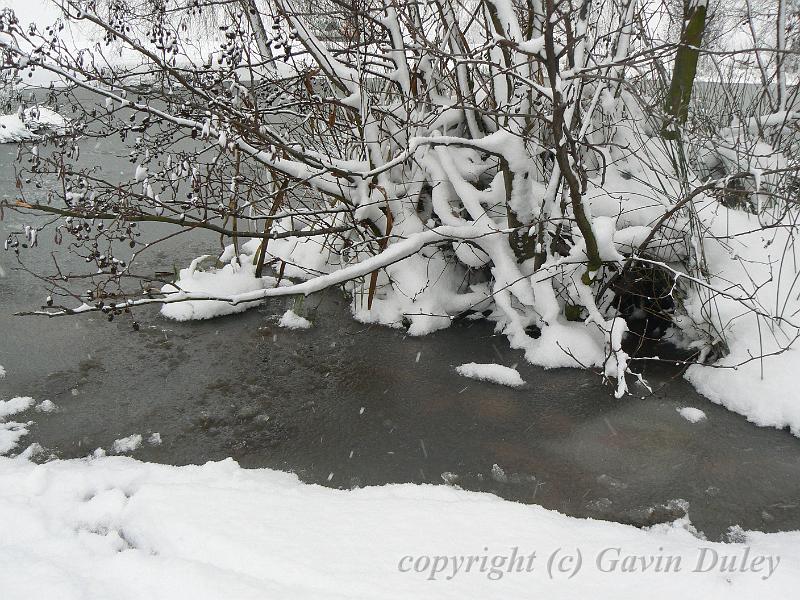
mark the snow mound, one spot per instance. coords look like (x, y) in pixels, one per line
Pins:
(11, 432)
(114, 527)
(763, 391)
(291, 320)
(236, 277)
(127, 444)
(691, 414)
(15, 405)
(46, 406)
(30, 124)
(491, 372)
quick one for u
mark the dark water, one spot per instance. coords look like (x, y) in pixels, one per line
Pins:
(344, 404)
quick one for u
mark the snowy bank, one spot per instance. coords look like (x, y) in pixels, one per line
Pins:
(759, 275)
(30, 123)
(114, 527)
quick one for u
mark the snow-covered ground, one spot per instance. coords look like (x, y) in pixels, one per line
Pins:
(114, 527)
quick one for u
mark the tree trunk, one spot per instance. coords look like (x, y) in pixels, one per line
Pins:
(685, 69)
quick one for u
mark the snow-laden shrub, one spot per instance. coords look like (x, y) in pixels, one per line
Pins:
(526, 162)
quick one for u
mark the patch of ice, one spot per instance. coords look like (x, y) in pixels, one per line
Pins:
(291, 320)
(491, 372)
(691, 414)
(127, 444)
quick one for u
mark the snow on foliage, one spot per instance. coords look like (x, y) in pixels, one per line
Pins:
(491, 372)
(232, 279)
(516, 165)
(113, 527)
(763, 390)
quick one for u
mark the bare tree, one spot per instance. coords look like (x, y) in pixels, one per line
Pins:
(438, 160)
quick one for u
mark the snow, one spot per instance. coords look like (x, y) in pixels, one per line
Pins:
(46, 406)
(140, 174)
(491, 372)
(498, 474)
(2, 371)
(15, 405)
(427, 275)
(532, 46)
(236, 277)
(763, 391)
(154, 439)
(691, 414)
(26, 124)
(10, 434)
(127, 444)
(291, 320)
(114, 527)
(10, 431)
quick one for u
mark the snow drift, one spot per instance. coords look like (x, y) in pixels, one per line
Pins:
(108, 527)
